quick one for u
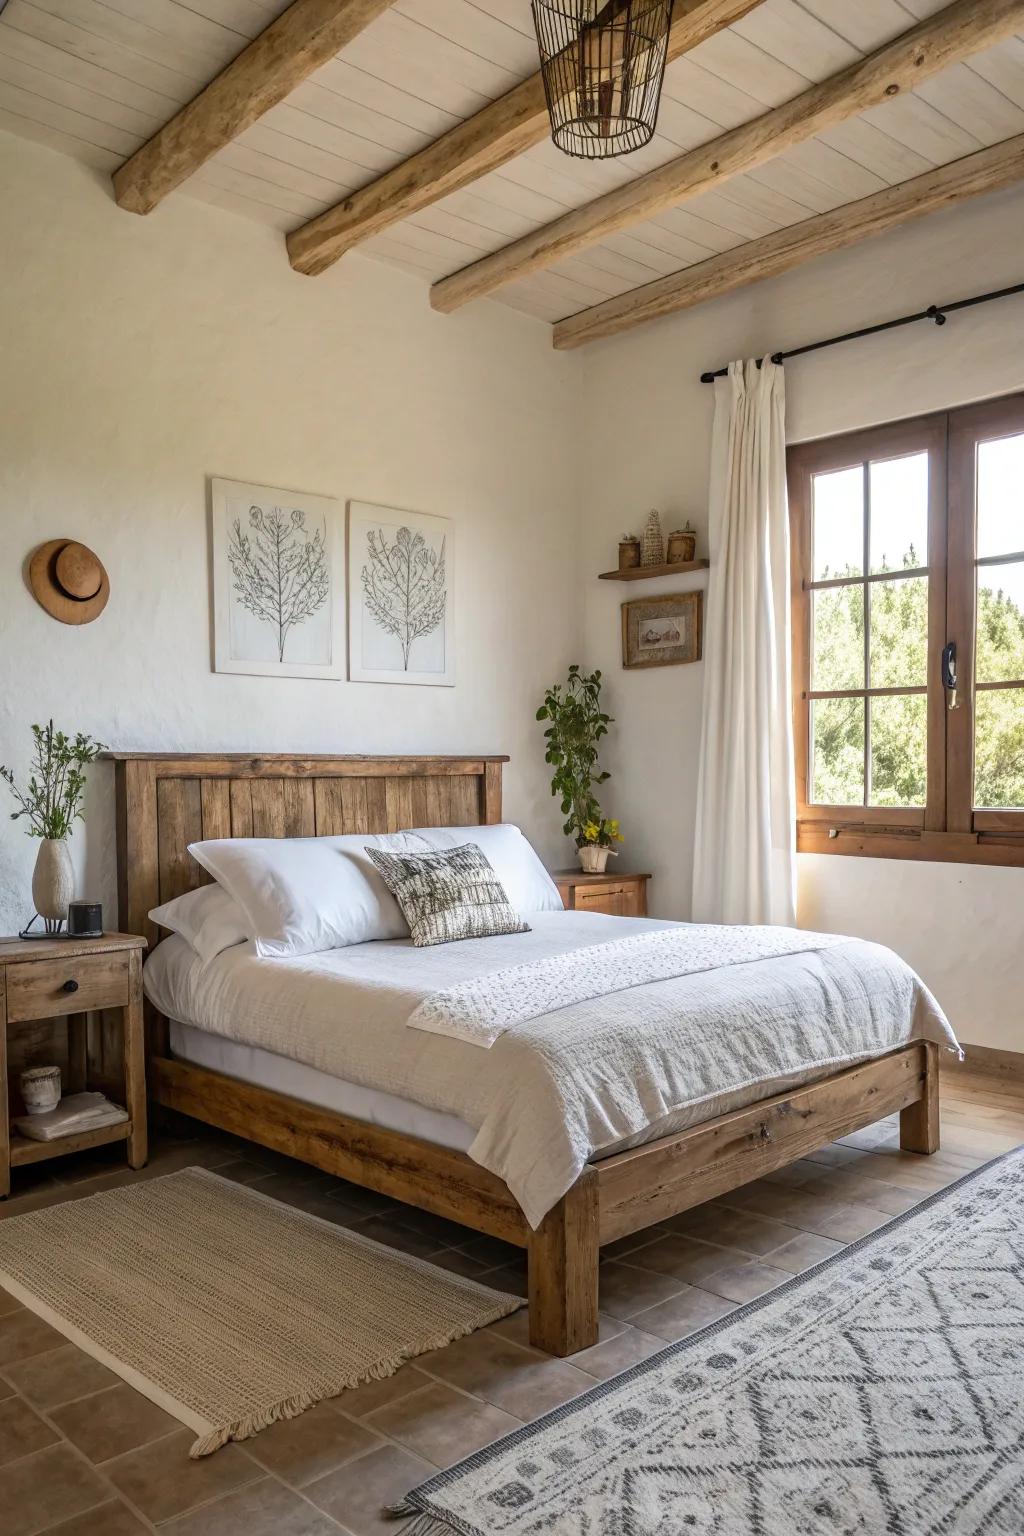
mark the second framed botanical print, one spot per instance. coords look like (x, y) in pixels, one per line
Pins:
(400, 578)
(662, 631)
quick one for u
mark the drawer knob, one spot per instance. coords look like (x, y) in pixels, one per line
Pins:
(70, 985)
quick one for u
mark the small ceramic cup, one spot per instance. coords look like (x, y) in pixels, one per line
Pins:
(40, 1089)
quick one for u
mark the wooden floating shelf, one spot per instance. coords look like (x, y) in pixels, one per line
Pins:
(645, 572)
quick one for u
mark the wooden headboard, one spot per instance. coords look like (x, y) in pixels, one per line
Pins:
(166, 801)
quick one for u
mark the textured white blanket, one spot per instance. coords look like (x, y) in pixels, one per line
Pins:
(483, 1008)
(565, 1086)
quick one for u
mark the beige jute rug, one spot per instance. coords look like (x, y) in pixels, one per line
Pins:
(225, 1307)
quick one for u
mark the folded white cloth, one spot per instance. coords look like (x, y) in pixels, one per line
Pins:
(76, 1113)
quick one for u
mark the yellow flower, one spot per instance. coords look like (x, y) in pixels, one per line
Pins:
(591, 832)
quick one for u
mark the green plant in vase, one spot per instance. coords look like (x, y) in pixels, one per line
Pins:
(577, 724)
(52, 803)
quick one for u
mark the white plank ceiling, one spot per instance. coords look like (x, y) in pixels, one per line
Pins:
(95, 78)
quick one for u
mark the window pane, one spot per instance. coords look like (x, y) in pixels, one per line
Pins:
(999, 748)
(899, 633)
(1000, 644)
(899, 513)
(837, 752)
(899, 750)
(837, 638)
(839, 523)
(1001, 496)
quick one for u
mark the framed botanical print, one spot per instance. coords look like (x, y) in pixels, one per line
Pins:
(662, 631)
(401, 571)
(278, 587)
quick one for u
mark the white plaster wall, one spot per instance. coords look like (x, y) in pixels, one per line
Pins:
(140, 356)
(961, 926)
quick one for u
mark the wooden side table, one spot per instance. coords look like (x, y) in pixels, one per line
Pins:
(617, 895)
(50, 982)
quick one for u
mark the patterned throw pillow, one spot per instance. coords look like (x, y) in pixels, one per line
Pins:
(446, 896)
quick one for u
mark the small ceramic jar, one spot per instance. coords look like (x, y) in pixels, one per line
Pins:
(682, 546)
(629, 552)
(40, 1089)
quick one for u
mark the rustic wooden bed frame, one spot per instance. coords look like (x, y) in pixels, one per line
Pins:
(165, 802)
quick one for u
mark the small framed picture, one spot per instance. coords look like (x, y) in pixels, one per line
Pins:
(401, 572)
(278, 582)
(662, 631)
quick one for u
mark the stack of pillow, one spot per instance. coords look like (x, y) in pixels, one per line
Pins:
(297, 896)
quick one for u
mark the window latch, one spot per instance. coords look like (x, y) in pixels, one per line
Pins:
(949, 673)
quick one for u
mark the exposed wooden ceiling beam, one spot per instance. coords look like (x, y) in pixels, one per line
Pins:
(483, 142)
(935, 44)
(984, 171)
(306, 35)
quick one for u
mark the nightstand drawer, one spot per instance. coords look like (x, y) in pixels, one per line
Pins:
(616, 895)
(615, 900)
(43, 989)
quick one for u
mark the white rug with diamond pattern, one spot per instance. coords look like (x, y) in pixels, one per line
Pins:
(881, 1392)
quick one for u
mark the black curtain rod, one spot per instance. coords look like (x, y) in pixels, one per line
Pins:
(936, 312)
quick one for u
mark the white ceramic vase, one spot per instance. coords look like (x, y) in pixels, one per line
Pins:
(593, 859)
(53, 881)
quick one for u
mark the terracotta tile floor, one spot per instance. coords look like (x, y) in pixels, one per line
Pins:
(82, 1454)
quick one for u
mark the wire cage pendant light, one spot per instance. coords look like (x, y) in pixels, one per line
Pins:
(603, 63)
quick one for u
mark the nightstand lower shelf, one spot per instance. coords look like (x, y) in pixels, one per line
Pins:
(25, 1150)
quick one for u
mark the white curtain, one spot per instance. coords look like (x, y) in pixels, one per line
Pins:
(745, 855)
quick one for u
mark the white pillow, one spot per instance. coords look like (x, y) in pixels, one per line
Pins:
(527, 883)
(300, 895)
(208, 919)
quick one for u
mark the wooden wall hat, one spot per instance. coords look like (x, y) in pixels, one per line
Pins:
(69, 581)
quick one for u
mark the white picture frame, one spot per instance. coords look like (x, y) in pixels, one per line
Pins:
(278, 581)
(393, 639)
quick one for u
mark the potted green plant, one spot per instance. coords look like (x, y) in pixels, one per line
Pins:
(52, 801)
(577, 724)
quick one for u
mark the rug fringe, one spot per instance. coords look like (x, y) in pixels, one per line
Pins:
(244, 1429)
(427, 1525)
(291, 1407)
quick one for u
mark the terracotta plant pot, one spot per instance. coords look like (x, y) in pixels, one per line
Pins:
(53, 881)
(593, 860)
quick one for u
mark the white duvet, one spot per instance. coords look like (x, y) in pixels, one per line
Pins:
(556, 1090)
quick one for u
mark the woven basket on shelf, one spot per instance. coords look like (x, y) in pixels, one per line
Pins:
(653, 552)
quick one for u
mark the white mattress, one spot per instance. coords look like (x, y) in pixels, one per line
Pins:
(265, 1069)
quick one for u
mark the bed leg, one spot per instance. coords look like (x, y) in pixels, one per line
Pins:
(919, 1123)
(563, 1261)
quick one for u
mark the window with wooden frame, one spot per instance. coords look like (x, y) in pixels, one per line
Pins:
(908, 637)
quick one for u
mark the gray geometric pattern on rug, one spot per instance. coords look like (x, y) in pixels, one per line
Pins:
(881, 1392)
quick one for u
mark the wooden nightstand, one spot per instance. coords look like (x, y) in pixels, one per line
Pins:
(56, 1003)
(618, 895)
